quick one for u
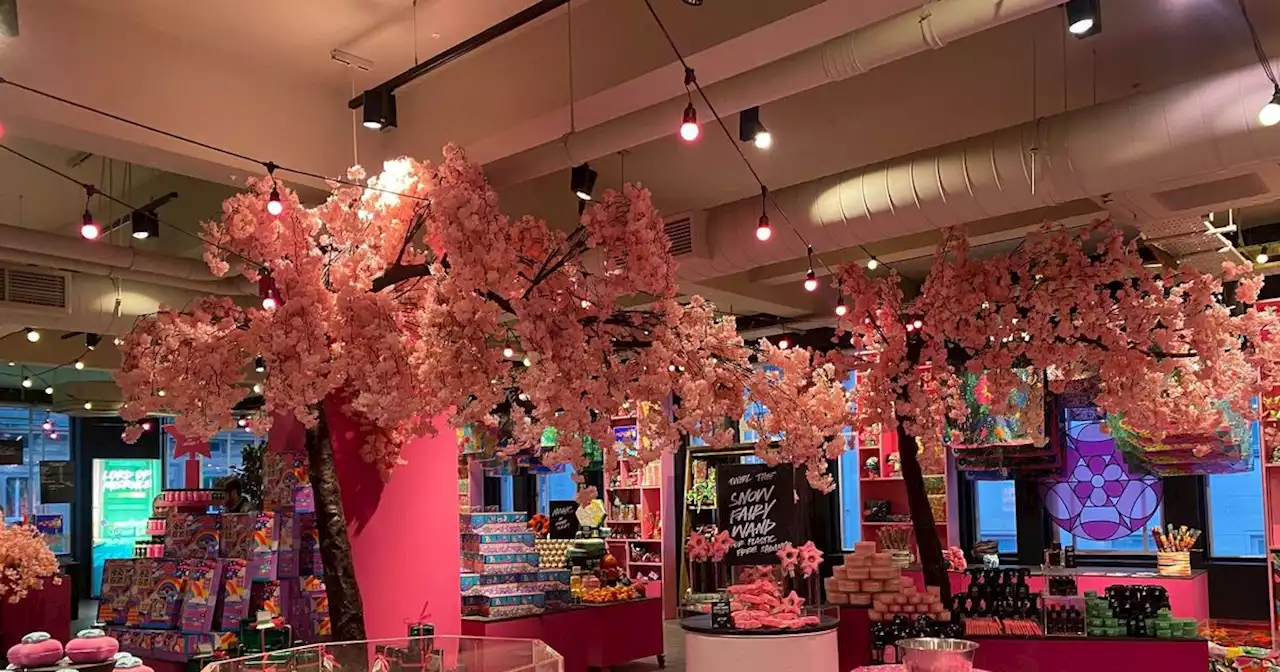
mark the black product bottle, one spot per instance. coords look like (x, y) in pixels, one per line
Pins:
(1069, 557)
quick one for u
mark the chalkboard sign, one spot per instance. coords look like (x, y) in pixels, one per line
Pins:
(757, 506)
(564, 524)
(721, 615)
(10, 451)
(57, 482)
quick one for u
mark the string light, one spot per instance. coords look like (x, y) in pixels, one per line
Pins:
(873, 264)
(917, 324)
(764, 230)
(160, 393)
(784, 343)
(810, 278)
(27, 383)
(79, 364)
(267, 291)
(53, 435)
(257, 388)
(146, 425)
(526, 361)
(48, 389)
(841, 308)
(88, 405)
(274, 206)
(47, 425)
(89, 229)
(1269, 115)
(32, 335)
(1262, 257)
(242, 422)
(689, 128)
(508, 352)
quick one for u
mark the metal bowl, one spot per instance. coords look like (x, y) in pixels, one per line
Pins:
(934, 654)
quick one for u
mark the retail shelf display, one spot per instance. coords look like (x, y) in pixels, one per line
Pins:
(638, 499)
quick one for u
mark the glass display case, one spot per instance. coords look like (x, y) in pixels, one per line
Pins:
(421, 654)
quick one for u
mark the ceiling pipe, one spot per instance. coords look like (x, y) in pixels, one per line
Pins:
(1200, 128)
(74, 250)
(226, 286)
(517, 20)
(98, 306)
(932, 26)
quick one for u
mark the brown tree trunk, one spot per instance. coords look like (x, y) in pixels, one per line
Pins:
(928, 543)
(346, 610)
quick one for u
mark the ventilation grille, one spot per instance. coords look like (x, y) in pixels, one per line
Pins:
(33, 288)
(680, 233)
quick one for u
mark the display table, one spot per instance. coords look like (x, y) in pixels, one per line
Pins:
(44, 610)
(587, 636)
(1090, 654)
(813, 649)
(1188, 596)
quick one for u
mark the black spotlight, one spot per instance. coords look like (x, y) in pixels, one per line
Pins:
(750, 129)
(91, 341)
(145, 224)
(583, 180)
(1084, 17)
(379, 109)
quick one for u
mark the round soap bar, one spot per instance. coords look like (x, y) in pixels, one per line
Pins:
(92, 646)
(37, 649)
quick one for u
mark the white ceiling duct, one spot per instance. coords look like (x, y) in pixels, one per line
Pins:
(933, 26)
(1203, 128)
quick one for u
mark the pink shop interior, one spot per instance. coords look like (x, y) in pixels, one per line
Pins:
(868, 335)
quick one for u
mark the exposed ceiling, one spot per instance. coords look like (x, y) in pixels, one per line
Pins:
(1151, 122)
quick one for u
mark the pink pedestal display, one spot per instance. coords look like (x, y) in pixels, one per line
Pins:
(589, 637)
(1188, 597)
(809, 652)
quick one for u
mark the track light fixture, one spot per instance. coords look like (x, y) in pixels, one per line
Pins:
(1084, 17)
(764, 231)
(33, 336)
(751, 130)
(159, 393)
(89, 229)
(583, 181)
(145, 224)
(91, 341)
(379, 109)
(260, 365)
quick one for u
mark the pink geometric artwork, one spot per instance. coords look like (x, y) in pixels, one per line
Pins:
(1096, 497)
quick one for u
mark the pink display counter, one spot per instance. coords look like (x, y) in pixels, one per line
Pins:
(598, 636)
(813, 649)
(1188, 597)
(45, 609)
(1090, 654)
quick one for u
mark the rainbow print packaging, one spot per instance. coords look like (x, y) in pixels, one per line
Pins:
(287, 544)
(201, 594)
(190, 535)
(157, 594)
(117, 584)
(235, 594)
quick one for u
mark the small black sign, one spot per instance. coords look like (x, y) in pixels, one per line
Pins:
(57, 482)
(721, 618)
(11, 451)
(758, 506)
(564, 519)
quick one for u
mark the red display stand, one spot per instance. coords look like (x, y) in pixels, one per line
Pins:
(588, 637)
(41, 610)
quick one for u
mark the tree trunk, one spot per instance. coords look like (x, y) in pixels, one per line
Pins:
(346, 610)
(928, 543)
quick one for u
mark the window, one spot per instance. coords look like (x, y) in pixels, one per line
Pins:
(555, 487)
(995, 514)
(20, 483)
(850, 497)
(1235, 508)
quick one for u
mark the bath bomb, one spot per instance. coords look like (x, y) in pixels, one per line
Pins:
(37, 649)
(92, 646)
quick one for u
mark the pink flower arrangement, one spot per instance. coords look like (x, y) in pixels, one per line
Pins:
(720, 545)
(810, 559)
(955, 559)
(705, 546)
(25, 561)
(756, 573)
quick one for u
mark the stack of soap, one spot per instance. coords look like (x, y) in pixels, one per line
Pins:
(908, 601)
(865, 574)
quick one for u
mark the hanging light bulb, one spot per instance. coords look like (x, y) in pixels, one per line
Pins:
(257, 388)
(160, 393)
(146, 425)
(526, 361)
(274, 206)
(917, 324)
(1269, 115)
(784, 343)
(1262, 256)
(841, 309)
(873, 264)
(79, 364)
(689, 128)
(260, 365)
(27, 382)
(267, 291)
(47, 425)
(89, 229)
(810, 281)
(764, 231)
(508, 352)
(53, 436)
(88, 405)
(32, 335)
(242, 422)
(48, 389)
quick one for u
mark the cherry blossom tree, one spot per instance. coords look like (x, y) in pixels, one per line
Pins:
(416, 299)
(1166, 352)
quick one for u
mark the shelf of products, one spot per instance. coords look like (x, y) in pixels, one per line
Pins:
(1270, 427)
(636, 499)
(883, 493)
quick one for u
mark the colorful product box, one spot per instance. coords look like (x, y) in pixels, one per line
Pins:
(192, 536)
(235, 594)
(504, 605)
(309, 561)
(156, 600)
(317, 625)
(510, 542)
(267, 596)
(493, 522)
(282, 473)
(117, 584)
(252, 537)
(287, 545)
(500, 563)
(554, 579)
(203, 581)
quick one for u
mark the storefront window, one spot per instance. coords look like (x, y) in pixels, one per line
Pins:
(224, 455)
(555, 487)
(850, 497)
(19, 483)
(1235, 509)
(995, 514)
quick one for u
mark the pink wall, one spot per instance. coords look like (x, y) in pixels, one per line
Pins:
(404, 533)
